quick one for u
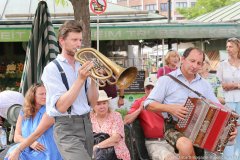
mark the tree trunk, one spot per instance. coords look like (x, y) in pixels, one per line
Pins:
(82, 13)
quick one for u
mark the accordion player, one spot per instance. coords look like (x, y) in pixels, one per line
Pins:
(208, 124)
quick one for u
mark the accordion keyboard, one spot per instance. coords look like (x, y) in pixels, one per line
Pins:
(183, 123)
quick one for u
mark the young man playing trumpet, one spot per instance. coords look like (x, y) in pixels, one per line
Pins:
(68, 100)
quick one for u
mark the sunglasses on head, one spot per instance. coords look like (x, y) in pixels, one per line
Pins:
(234, 39)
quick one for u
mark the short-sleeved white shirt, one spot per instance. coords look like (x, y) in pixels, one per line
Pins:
(228, 73)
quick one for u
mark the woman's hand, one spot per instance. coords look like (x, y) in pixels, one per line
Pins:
(229, 86)
(95, 148)
(37, 146)
(14, 155)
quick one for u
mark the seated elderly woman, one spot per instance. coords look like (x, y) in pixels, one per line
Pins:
(107, 121)
(33, 110)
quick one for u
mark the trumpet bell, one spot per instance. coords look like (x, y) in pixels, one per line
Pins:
(127, 77)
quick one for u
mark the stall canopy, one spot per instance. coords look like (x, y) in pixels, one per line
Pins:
(118, 23)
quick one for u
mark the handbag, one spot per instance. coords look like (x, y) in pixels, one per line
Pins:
(152, 124)
(103, 153)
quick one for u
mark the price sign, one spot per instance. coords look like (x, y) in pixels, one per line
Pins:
(98, 6)
(138, 84)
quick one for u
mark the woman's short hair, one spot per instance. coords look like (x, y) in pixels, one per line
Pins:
(235, 41)
(168, 55)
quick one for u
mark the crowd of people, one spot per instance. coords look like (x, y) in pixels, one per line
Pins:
(62, 116)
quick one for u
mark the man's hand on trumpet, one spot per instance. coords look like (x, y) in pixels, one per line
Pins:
(84, 71)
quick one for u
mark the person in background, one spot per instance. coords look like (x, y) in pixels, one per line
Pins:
(157, 146)
(112, 91)
(212, 79)
(69, 100)
(169, 96)
(172, 60)
(229, 74)
(45, 124)
(107, 121)
(29, 118)
(7, 99)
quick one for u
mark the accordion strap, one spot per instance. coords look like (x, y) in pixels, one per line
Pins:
(178, 81)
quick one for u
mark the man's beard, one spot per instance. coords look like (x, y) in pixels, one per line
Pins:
(70, 53)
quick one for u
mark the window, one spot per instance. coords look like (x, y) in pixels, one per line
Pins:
(180, 18)
(164, 7)
(151, 7)
(137, 7)
(193, 4)
(181, 4)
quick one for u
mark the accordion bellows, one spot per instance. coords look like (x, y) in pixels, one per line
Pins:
(208, 125)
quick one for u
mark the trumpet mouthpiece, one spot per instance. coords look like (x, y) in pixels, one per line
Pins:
(77, 49)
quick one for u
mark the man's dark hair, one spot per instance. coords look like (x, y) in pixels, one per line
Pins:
(69, 26)
(188, 50)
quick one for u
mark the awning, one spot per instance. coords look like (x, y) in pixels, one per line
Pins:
(136, 31)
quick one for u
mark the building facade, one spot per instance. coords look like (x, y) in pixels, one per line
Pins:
(160, 6)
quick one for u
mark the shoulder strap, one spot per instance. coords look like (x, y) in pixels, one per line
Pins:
(63, 75)
(178, 81)
(64, 79)
(86, 91)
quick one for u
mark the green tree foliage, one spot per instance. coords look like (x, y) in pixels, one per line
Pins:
(204, 6)
(62, 2)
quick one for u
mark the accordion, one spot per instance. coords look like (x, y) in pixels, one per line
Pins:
(208, 125)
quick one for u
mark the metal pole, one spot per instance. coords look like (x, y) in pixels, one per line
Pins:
(163, 52)
(202, 44)
(97, 32)
(169, 11)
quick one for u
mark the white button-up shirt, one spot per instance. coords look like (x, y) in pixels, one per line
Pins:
(228, 73)
(55, 88)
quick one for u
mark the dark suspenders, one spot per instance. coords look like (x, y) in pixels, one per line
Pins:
(65, 82)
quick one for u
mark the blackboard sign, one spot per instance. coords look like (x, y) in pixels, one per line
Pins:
(138, 84)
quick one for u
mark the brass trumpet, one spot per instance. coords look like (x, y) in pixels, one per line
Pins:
(105, 70)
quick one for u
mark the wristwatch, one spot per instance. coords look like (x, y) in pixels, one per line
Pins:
(122, 97)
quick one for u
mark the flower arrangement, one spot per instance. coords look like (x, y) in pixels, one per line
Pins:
(10, 76)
